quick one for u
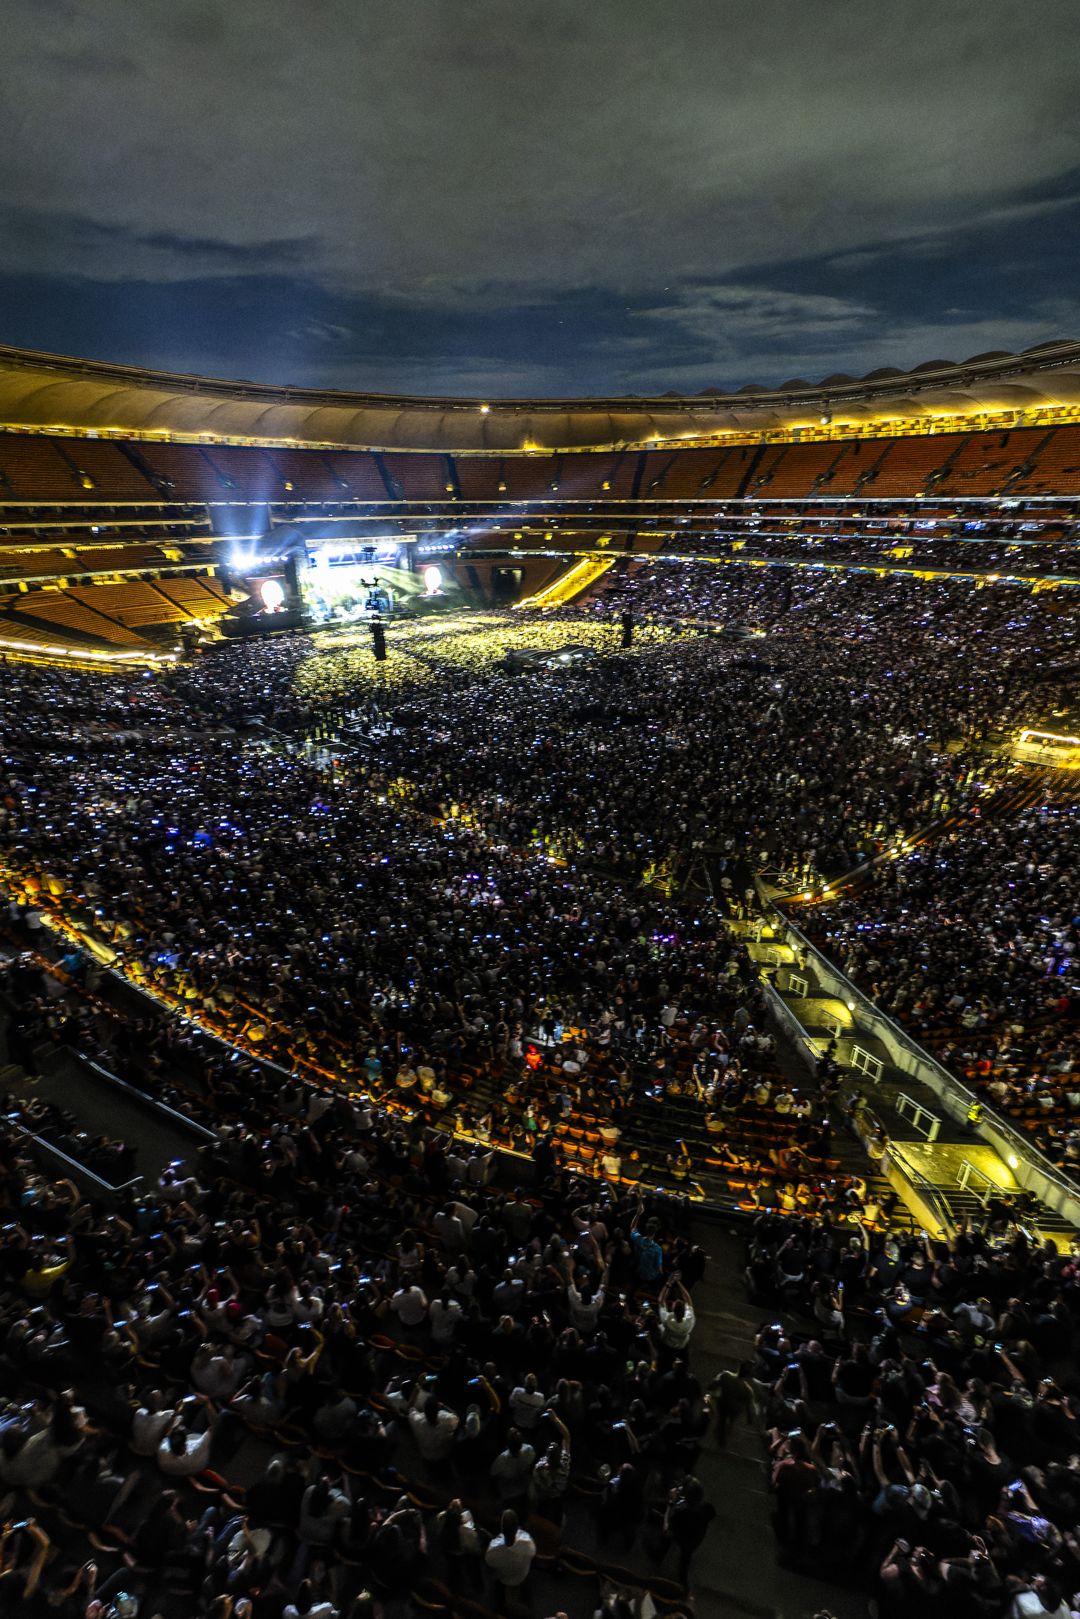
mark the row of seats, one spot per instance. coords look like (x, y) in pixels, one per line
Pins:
(66, 612)
(111, 613)
(34, 467)
(168, 601)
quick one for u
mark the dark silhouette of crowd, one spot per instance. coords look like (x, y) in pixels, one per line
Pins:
(972, 940)
(924, 1419)
(440, 912)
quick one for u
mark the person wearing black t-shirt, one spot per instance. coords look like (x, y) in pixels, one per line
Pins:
(686, 1522)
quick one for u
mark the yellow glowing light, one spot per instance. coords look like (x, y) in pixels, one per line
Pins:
(1050, 737)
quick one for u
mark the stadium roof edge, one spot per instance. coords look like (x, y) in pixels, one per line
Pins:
(49, 392)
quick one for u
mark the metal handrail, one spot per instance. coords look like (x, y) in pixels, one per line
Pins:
(931, 1194)
(963, 1180)
(178, 1120)
(72, 1163)
(918, 1113)
(1022, 1144)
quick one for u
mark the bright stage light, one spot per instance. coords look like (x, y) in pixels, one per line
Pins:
(433, 579)
(272, 594)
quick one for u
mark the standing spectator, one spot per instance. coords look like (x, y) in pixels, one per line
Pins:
(510, 1557)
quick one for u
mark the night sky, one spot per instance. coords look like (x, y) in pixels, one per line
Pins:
(543, 197)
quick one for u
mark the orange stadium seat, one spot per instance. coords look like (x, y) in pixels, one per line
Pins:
(68, 613)
(134, 604)
(982, 464)
(243, 474)
(529, 477)
(34, 635)
(113, 475)
(18, 564)
(183, 467)
(803, 469)
(360, 472)
(695, 474)
(618, 472)
(202, 597)
(420, 477)
(908, 465)
(1056, 468)
(32, 468)
(479, 477)
(308, 473)
(851, 467)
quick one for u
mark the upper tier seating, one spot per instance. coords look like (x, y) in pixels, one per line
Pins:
(695, 474)
(308, 473)
(32, 468)
(984, 463)
(359, 472)
(1056, 468)
(421, 477)
(112, 473)
(481, 477)
(37, 468)
(185, 472)
(800, 469)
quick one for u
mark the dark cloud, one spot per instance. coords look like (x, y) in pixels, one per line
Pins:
(537, 195)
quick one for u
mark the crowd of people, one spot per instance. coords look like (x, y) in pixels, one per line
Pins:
(458, 889)
(469, 864)
(1023, 556)
(973, 940)
(317, 1371)
(925, 1422)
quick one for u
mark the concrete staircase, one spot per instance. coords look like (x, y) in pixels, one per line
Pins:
(925, 1145)
(576, 579)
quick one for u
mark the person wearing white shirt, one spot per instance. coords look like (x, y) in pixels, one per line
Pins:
(677, 1321)
(512, 1466)
(461, 1278)
(308, 1606)
(444, 1314)
(457, 1165)
(510, 1554)
(182, 1453)
(433, 1427)
(409, 1305)
(480, 1167)
(1043, 1601)
(465, 1213)
(150, 1424)
(527, 1403)
(450, 1230)
(585, 1307)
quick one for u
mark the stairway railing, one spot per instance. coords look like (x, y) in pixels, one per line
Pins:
(1053, 1188)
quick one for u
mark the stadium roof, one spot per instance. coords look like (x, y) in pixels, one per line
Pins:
(50, 392)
